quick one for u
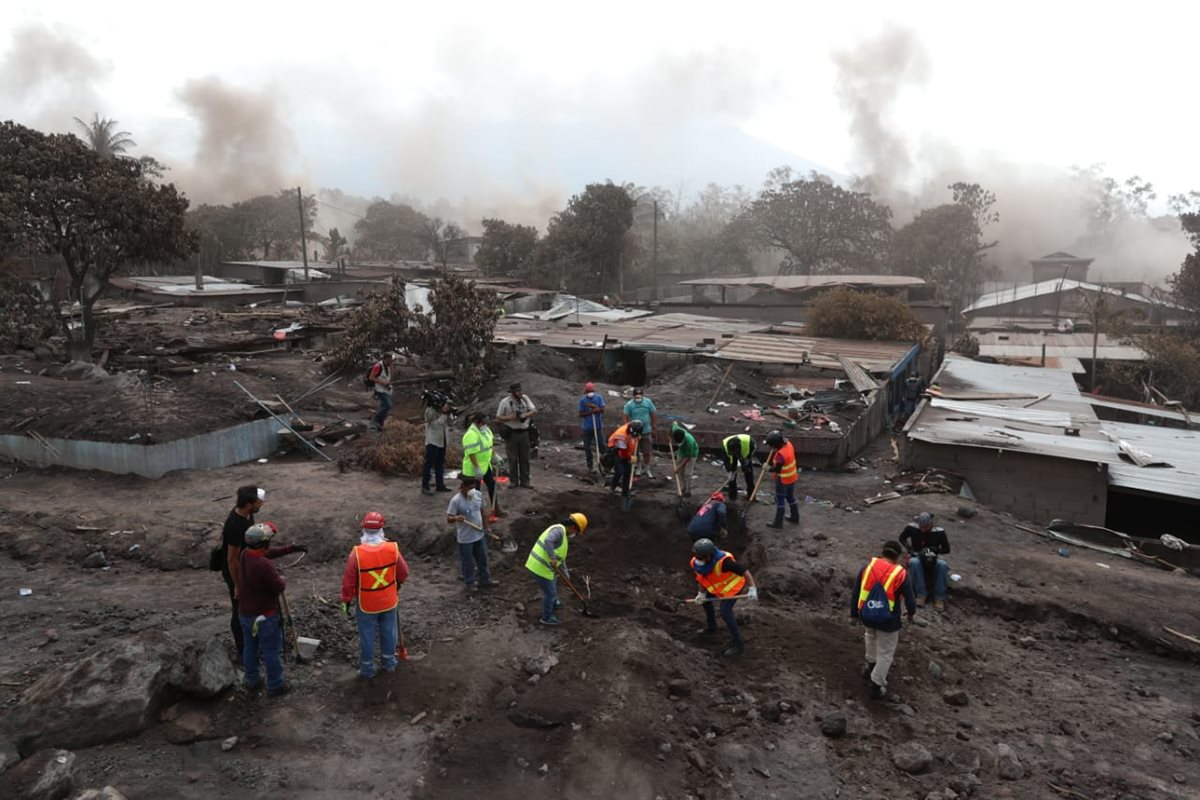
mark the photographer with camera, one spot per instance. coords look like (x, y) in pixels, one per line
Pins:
(924, 544)
(516, 412)
(438, 413)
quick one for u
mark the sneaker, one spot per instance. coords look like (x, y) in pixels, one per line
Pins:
(489, 585)
(550, 620)
(281, 691)
(444, 489)
(777, 527)
(867, 669)
(733, 651)
(939, 605)
(557, 604)
(648, 473)
(877, 692)
(921, 601)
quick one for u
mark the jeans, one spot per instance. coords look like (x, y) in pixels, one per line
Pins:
(381, 625)
(549, 587)
(593, 442)
(941, 572)
(472, 554)
(731, 463)
(517, 448)
(785, 492)
(385, 408)
(727, 615)
(880, 651)
(435, 463)
(235, 624)
(621, 474)
(269, 645)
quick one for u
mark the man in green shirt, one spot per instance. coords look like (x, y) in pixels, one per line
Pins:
(687, 450)
(477, 457)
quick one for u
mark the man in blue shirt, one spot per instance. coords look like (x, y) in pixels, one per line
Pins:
(591, 416)
(641, 408)
(710, 520)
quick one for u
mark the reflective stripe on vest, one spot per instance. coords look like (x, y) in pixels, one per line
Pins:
(881, 571)
(377, 589)
(485, 437)
(787, 470)
(539, 555)
(718, 582)
(741, 439)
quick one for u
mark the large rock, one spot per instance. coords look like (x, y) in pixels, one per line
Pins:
(1008, 766)
(834, 725)
(205, 670)
(46, 775)
(912, 758)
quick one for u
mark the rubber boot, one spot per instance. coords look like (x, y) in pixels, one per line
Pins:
(794, 517)
(778, 523)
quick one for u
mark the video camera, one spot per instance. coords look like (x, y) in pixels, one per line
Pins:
(437, 398)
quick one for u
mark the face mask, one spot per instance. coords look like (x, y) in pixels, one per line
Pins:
(591, 394)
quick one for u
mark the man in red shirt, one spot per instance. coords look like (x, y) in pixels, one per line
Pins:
(371, 581)
(259, 585)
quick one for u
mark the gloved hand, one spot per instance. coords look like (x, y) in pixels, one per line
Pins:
(753, 593)
(299, 548)
(346, 610)
(701, 597)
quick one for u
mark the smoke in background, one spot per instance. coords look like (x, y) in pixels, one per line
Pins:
(51, 78)
(1042, 208)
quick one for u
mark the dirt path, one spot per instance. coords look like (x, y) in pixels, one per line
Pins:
(636, 703)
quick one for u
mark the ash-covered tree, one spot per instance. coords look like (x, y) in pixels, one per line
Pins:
(225, 228)
(392, 232)
(821, 227)
(455, 331)
(25, 318)
(335, 245)
(57, 196)
(583, 246)
(715, 233)
(845, 313)
(505, 248)
(440, 236)
(944, 245)
(272, 222)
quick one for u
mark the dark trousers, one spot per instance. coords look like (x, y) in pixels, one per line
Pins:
(385, 408)
(489, 480)
(435, 463)
(593, 444)
(517, 448)
(731, 464)
(621, 473)
(727, 615)
(235, 624)
(472, 556)
(785, 493)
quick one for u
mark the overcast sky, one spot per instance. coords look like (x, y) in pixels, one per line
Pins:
(452, 99)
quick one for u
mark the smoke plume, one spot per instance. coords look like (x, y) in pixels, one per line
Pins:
(1042, 208)
(50, 78)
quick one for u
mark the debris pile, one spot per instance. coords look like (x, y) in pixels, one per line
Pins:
(928, 481)
(401, 450)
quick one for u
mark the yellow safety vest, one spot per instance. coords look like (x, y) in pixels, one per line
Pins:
(740, 438)
(539, 556)
(477, 442)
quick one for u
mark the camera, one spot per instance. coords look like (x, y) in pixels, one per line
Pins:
(437, 398)
(928, 556)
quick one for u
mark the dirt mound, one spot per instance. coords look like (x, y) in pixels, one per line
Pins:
(401, 450)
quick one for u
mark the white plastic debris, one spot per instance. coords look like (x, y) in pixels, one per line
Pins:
(23, 592)
(262, 461)
(956, 577)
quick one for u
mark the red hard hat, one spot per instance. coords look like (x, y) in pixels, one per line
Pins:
(271, 526)
(372, 521)
(720, 498)
(589, 387)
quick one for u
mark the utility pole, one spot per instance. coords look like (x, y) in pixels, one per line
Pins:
(303, 241)
(655, 294)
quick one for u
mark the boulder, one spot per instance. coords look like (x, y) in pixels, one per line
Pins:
(95, 560)
(956, 697)
(912, 758)
(964, 759)
(540, 665)
(680, 687)
(107, 793)
(45, 775)
(834, 725)
(505, 697)
(1008, 765)
(205, 671)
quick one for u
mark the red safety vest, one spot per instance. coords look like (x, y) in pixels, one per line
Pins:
(880, 570)
(718, 582)
(377, 589)
(786, 457)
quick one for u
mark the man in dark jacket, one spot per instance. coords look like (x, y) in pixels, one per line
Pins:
(924, 544)
(710, 520)
(875, 601)
(259, 586)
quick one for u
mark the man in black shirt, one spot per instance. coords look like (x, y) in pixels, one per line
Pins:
(924, 544)
(233, 540)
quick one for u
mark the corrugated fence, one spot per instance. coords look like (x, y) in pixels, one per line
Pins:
(222, 448)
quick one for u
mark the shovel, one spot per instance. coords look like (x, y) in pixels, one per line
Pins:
(507, 543)
(627, 497)
(587, 612)
(289, 629)
(401, 650)
(754, 495)
(596, 438)
(681, 513)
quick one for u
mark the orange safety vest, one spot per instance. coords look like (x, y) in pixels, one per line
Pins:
(377, 588)
(718, 582)
(622, 433)
(880, 570)
(787, 471)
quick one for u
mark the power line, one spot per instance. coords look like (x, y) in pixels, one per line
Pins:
(337, 208)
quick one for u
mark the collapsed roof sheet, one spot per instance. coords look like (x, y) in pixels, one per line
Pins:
(1177, 447)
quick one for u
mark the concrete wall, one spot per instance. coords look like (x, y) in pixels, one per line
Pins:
(1033, 487)
(214, 450)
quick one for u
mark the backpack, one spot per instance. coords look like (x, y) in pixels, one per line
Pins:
(369, 384)
(875, 612)
(216, 557)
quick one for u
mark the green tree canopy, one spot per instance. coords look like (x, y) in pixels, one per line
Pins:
(505, 248)
(845, 313)
(584, 242)
(392, 232)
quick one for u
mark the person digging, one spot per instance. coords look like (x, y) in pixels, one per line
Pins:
(721, 578)
(548, 558)
(623, 444)
(465, 512)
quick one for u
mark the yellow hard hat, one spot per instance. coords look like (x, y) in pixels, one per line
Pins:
(580, 521)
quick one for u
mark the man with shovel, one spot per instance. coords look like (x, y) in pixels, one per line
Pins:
(624, 443)
(259, 586)
(466, 512)
(685, 451)
(722, 578)
(591, 412)
(374, 571)
(738, 450)
(548, 559)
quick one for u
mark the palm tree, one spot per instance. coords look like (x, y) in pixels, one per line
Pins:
(101, 136)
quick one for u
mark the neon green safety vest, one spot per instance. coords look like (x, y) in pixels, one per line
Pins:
(743, 439)
(478, 442)
(539, 557)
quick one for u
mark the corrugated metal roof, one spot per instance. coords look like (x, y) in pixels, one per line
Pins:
(801, 282)
(997, 344)
(1010, 436)
(1180, 448)
(1031, 290)
(823, 353)
(1135, 407)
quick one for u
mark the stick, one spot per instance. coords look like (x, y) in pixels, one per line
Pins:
(761, 472)
(710, 599)
(1061, 790)
(674, 466)
(1184, 636)
(720, 383)
(290, 633)
(325, 384)
(633, 457)
(291, 410)
(279, 419)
